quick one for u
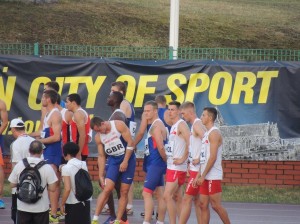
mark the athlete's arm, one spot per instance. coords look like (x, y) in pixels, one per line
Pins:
(38, 132)
(184, 132)
(125, 132)
(214, 138)
(101, 159)
(199, 131)
(3, 116)
(157, 134)
(126, 108)
(139, 136)
(55, 121)
(80, 119)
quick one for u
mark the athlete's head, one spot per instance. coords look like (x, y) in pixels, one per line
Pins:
(161, 99)
(74, 97)
(209, 115)
(52, 85)
(49, 96)
(187, 110)
(119, 87)
(174, 110)
(115, 99)
(97, 124)
(150, 110)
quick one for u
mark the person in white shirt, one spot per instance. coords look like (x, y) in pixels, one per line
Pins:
(75, 211)
(19, 149)
(35, 213)
(211, 173)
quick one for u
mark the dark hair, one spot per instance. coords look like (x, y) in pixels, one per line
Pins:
(152, 103)
(95, 121)
(53, 85)
(70, 148)
(187, 104)
(74, 97)
(36, 147)
(52, 94)
(121, 85)
(212, 112)
(117, 97)
(160, 99)
(176, 103)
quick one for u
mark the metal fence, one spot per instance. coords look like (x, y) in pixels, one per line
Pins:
(150, 53)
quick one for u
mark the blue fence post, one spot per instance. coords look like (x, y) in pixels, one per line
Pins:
(36, 49)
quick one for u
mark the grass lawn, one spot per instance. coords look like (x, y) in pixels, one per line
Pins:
(206, 23)
(230, 193)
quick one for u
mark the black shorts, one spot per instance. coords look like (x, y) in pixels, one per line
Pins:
(78, 213)
(32, 218)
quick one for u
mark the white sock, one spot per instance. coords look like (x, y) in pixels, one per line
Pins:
(158, 222)
(146, 222)
(95, 217)
(129, 206)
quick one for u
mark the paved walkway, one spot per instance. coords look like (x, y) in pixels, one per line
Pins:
(239, 213)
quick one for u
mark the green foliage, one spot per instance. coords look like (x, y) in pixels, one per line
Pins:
(206, 23)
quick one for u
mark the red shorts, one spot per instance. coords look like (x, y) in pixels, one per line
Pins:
(190, 190)
(173, 175)
(209, 187)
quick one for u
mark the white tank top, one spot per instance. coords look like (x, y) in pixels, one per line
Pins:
(47, 117)
(216, 172)
(113, 145)
(194, 148)
(175, 148)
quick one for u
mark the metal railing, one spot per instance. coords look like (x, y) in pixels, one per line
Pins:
(150, 53)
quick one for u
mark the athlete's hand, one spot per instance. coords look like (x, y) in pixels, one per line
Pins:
(102, 182)
(200, 181)
(196, 161)
(123, 166)
(195, 181)
(177, 161)
(62, 210)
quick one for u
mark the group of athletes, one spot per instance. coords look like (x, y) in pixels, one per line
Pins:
(172, 152)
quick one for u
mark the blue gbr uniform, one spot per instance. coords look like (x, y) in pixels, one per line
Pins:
(115, 148)
(131, 122)
(52, 152)
(154, 166)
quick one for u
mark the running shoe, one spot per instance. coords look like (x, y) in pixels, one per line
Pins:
(53, 219)
(129, 211)
(105, 211)
(109, 220)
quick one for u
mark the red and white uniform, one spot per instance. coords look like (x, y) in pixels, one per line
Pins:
(75, 135)
(176, 148)
(216, 172)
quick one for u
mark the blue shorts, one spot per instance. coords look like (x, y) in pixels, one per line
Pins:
(113, 173)
(56, 160)
(154, 178)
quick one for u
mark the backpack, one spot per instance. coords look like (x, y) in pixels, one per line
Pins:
(83, 185)
(29, 189)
